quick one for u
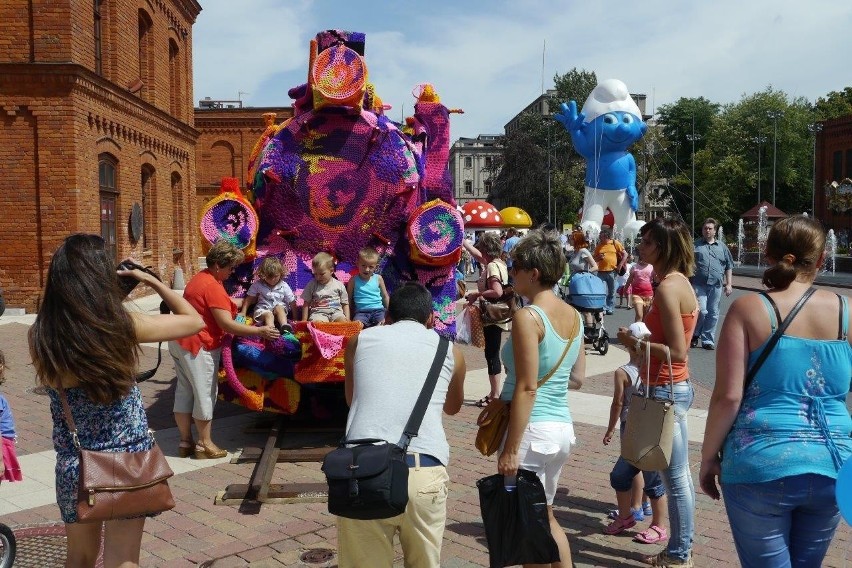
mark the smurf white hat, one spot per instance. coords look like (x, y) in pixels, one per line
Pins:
(609, 95)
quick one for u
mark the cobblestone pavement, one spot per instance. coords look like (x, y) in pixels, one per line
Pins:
(198, 532)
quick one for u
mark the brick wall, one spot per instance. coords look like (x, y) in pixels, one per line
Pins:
(58, 117)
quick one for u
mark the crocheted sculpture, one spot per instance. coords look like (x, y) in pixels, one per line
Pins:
(608, 125)
(341, 175)
(231, 217)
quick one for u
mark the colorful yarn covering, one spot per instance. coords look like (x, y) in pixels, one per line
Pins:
(230, 217)
(435, 234)
(341, 175)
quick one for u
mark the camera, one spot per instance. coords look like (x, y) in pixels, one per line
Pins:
(128, 283)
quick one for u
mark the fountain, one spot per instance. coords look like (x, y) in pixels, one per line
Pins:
(740, 235)
(830, 251)
(720, 235)
(762, 233)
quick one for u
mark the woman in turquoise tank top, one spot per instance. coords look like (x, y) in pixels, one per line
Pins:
(777, 444)
(543, 358)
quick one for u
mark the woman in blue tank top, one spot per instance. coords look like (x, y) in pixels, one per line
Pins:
(544, 357)
(776, 444)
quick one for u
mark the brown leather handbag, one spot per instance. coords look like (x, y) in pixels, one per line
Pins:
(493, 421)
(119, 485)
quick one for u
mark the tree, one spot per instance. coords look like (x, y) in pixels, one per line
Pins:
(834, 105)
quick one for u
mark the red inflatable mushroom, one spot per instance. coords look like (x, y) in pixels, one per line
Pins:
(481, 215)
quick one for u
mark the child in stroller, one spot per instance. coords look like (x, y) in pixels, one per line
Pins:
(587, 294)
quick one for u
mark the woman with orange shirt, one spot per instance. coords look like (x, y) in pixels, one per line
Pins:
(667, 246)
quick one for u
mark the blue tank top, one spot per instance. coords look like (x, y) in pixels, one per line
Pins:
(793, 418)
(367, 295)
(551, 400)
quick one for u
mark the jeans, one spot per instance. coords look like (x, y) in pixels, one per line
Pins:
(782, 523)
(709, 296)
(677, 478)
(609, 278)
(370, 318)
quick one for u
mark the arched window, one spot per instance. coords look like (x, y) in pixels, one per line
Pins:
(178, 223)
(175, 83)
(149, 200)
(221, 162)
(108, 192)
(146, 56)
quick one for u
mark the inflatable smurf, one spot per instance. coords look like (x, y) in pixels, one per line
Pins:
(608, 125)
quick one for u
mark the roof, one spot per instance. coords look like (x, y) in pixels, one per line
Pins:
(772, 212)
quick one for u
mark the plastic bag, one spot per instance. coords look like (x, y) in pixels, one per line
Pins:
(516, 524)
(463, 327)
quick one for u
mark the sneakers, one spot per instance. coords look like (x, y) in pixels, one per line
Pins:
(694, 342)
(638, 514)
(646, 509)
(708, 346)
(663, 559)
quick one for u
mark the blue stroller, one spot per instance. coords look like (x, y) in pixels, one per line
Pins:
(587, 294)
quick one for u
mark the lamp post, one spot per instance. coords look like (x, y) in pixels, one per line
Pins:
(692, 138)
(774, 115)
(548, 170)
(814, 128)
(758, 140)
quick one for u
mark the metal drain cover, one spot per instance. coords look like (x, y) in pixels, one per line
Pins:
(317, 556)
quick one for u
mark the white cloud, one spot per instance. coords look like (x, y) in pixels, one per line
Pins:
(486, 56)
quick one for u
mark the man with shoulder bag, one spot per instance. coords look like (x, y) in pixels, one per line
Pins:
(386, 369)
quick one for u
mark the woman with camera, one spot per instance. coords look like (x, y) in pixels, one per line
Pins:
(84, 342)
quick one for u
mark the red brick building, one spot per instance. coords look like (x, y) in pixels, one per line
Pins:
(228, 133)
(834, 164)
(96, 117)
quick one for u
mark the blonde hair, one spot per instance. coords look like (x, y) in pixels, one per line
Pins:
(223, 254)
(271, 267)
(368, 254)
(323, 260)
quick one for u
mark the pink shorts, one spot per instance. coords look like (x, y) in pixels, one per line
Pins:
(10, 461)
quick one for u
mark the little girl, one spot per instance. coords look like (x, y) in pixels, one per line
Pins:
(9, 466)
(621, 286)
(624, 474)
(273, 296)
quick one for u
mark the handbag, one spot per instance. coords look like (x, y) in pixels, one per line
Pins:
(499, 310)
(493, 421)
(119, 485)
(647, 439)
(368, 477)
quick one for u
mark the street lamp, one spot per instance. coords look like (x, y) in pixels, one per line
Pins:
(774, 115)
(548, 170)
(758, 140)
(692, 138)
(814, 128)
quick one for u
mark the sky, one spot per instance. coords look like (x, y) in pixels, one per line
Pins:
(492, 57)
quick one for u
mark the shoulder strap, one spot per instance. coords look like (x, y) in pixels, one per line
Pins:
(775, 315)
(843, 324)
(776, 336)
(69, 419)
(570, 342)
(416, 418)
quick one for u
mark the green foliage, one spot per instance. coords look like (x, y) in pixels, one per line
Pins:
(834, 105)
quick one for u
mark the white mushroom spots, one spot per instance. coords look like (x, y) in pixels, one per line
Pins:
(481, 214)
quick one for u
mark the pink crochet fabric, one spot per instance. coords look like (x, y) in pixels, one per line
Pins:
(329, 345)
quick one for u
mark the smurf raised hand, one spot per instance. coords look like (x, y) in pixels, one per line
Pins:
(609, 123)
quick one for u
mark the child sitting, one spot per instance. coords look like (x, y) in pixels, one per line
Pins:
(272, 296)
(325, 298)
(622, 477)
(367, 292)
(10, 469)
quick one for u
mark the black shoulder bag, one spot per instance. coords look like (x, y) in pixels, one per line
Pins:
(778, 333)
(368, 478)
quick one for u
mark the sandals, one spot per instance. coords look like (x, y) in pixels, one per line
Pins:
(483, 402)
(620, 525)
(186, 448)
(652, 535)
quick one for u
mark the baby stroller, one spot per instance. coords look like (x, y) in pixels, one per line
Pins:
(587, 293)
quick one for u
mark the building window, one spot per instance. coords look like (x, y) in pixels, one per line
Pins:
(487, 161)
(98, 38)
(108, 192)
(849, 164)
(487, 188)
(177, 213)
(468, 162)
(468, 187)
(146, 59)
(175, 86)
(837, 169)
(149, 200)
